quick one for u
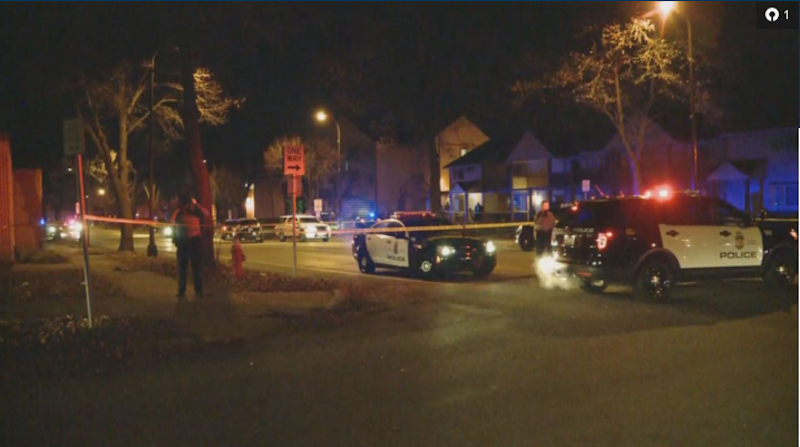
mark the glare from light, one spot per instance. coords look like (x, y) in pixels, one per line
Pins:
(490, 248)
(168, 231)
(322, 116)
(546, 265)
(101, 191)
(447, 251)
(664, 193)
(51, 230)
(646, 194)
(665, 8)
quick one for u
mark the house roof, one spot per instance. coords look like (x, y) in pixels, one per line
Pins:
(462, 187)
(738, 170)
(527, 148)
(492, 151)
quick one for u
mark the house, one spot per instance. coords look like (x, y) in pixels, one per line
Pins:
(402, 175)
(510, 178)
(664, 161)
(453, 142)
(752, 170)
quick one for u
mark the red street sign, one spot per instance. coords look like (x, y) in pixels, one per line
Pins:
(294, 160)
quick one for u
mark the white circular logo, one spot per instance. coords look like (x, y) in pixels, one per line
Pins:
(772, 14)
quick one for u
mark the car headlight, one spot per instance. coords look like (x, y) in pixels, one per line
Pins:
(77, 226)
(51, 230)
(311, 229)
(168, 231)
(447, 250)
(490, 248)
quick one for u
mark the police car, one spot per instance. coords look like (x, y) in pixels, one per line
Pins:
(653, 241)
(394, 243)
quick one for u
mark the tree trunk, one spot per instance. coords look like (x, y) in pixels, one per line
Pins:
(202, 183)
(635, 176)
(126, 230)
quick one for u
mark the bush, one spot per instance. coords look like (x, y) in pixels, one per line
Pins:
(41, 257)
(67, 344)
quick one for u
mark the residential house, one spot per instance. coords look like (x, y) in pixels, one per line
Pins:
(452, 143)
(753, 170)
(402, 175)
(480, 177)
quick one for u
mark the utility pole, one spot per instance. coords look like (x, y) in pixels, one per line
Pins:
(152, 249)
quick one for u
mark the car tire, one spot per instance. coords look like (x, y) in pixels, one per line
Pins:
(595, 289)
(654, 280)
(781, 271)
(365, 264)
(261, 239)
(302, 237)
(526, 243)
(282, 237)
(425, 269)
(485, 269)
(326, 239)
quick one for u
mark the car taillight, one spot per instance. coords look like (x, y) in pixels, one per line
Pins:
(602, 240)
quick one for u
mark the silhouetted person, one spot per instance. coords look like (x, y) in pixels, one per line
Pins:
(186, 236)
(544, 222)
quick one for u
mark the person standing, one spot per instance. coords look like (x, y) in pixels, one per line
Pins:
(544, 223)
(186, 237)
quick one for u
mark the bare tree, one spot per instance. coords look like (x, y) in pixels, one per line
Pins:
(623, 77)
(113, 107)
(320, 162)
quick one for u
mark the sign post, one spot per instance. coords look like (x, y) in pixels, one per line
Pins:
(294, 165)
(75, 145)
(585, 187)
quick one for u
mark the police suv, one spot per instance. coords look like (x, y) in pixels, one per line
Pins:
(651, 242)
(412, 241)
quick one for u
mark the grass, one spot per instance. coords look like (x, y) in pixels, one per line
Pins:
(42, 257)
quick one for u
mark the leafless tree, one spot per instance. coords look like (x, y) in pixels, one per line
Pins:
(113, 107)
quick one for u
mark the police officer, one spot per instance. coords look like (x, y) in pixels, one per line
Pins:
(186, 236)
(544, 223)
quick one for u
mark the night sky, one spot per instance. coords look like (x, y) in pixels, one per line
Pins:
(375, 63)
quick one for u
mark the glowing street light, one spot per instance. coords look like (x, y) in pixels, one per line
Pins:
(665, 8)
(101, 192)
(322, 116)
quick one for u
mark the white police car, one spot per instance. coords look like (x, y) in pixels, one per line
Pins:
(652, 242)
(426, 254)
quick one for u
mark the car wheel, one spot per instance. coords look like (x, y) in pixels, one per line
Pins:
(781, 271)
(425, 269)
(302, 237)
(526, 243)
(595, 287)
(653, 280)
(325, 239)
(282, 237)
(261, 239)
(365, 264)
(485, 269)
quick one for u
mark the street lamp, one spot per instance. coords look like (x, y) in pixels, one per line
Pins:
(323, 117)
(152, 249)
(101, 192)
(665, 9)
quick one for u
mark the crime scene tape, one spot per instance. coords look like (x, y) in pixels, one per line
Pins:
(452, 227)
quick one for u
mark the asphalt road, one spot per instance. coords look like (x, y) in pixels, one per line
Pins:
(317, 258)
(472, 363)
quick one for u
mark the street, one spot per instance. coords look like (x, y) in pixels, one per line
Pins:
(481, 363)
(332, 258)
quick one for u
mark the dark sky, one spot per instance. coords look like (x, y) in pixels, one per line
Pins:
(371, 62)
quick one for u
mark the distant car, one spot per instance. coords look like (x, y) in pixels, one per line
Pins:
(308, 227)
(249, 230)
(229, 228)
(425, 254)
(55, 230)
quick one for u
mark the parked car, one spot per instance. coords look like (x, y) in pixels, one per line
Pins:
(229, 229)
(308, 227)
(426, 254)
(249, 230)
(654, 242)
(55, 230)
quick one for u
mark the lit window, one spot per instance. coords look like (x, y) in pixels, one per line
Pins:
(463, 152)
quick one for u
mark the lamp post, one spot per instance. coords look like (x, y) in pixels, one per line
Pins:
(152, 249)
(323, 117)
(666, 8)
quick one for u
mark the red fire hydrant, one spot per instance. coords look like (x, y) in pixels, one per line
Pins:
(237, 258)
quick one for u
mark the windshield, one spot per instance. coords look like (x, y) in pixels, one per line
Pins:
(308, 220)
